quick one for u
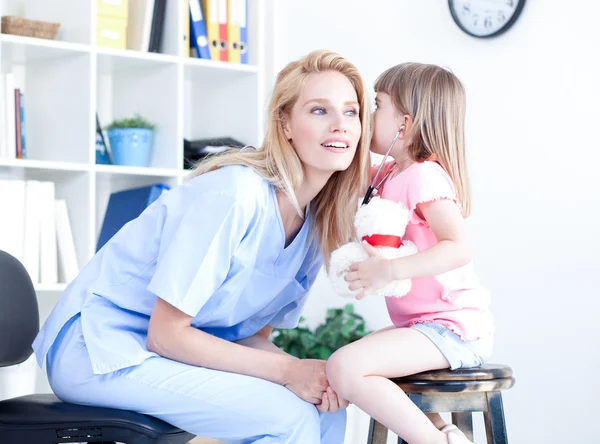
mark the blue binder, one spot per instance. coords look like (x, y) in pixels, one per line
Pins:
(198, 30)
(244, 35)
(124, 206)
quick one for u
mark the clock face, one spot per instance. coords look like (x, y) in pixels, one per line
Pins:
(485, 18)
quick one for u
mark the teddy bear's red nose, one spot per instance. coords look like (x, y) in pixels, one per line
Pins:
(383, 240)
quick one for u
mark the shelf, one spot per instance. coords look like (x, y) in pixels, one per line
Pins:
(112, 60)
(43, 165)
(136, 171)
(193, 65)
(80, 167)
(50, 288)
(22, 50)
(19, 49)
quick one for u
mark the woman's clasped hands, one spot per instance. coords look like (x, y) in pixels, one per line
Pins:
(307, 378)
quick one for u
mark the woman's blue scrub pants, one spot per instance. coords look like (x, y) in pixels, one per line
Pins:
(230, 407)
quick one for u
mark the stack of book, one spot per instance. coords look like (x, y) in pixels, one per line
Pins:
(36, 229)
(12, 118)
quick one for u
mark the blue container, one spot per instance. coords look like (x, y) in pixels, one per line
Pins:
(131, 146)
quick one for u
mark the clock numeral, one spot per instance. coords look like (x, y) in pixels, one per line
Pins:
(484, 18)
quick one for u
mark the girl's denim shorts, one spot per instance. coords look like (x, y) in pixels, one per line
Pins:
(459, 353)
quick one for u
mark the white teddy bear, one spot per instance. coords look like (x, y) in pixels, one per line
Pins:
(381, 223)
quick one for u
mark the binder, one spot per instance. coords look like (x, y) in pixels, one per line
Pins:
(32, 227)
(223, 38)
(12, 221)
(3, 141)
(158, 20)
(211, 14)
(48, 247)
(233, 29)
(186, 28)
(198, 30)
(124, 206)
(68, 268)
(243, 31)
(139, 24)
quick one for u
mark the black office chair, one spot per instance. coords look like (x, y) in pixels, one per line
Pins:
(44, 419)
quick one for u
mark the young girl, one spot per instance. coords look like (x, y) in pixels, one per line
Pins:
(444, 322)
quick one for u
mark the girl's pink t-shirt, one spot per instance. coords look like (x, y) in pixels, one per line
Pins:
(454, 299)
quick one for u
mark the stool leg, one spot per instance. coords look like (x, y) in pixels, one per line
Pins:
(464, 421)
(495, 425)
(377, 433)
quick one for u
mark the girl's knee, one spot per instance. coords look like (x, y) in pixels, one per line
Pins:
(342, 371)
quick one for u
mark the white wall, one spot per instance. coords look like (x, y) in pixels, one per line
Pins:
(533, 148)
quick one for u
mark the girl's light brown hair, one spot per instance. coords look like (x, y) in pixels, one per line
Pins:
(276, 160)
(435, 99)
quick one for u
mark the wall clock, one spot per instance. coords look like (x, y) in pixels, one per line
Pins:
(485, 18)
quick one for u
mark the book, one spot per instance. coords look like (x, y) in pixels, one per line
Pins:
(124, 206)
(12, 222)
(48, 248)
(68, 268)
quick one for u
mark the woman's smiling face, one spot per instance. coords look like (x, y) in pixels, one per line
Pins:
(324, 125)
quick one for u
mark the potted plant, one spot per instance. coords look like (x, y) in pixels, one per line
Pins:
(341, 327)
(131, 141)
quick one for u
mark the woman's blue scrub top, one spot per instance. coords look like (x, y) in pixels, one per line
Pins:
(214, 248)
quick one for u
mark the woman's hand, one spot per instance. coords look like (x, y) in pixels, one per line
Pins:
(331, 402)
(371, 274)
(307, 379)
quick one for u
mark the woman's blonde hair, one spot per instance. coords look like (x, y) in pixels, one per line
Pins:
(435, 99)
(276, 160)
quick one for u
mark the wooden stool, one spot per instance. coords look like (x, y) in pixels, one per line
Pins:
(460, 392)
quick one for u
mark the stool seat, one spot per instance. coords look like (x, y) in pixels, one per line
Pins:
(45, 418)
(483, 373)
(488, 378)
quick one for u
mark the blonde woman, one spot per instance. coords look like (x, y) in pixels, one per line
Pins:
(172, 316)
(445, 321)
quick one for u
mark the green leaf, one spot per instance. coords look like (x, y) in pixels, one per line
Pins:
(322, 352)
(341, 327)
(135, 122)
(333, 313)
(346, 330)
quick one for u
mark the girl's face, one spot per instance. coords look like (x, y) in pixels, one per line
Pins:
(387, 121)
(324, 125)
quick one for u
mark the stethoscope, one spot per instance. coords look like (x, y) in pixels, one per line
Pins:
(374, 187)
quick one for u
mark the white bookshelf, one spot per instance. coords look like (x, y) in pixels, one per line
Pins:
(67, 80)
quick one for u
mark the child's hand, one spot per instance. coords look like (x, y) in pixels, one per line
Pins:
(371, 274)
